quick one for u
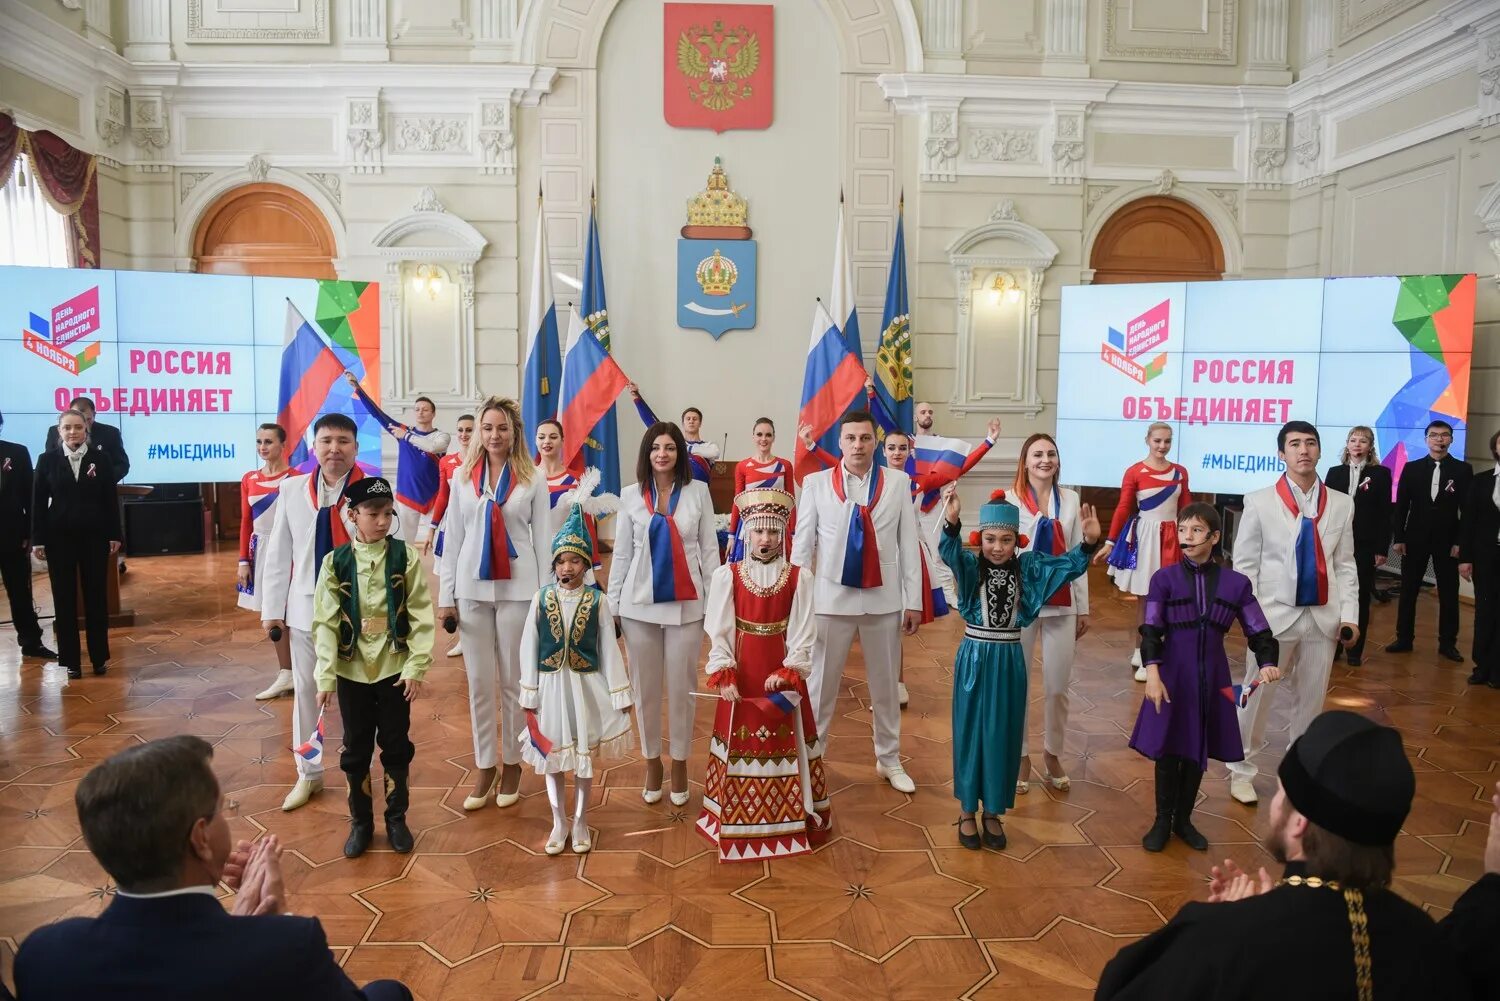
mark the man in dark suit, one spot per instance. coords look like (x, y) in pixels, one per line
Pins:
(155, 819)
(1429, 502)
(1479, 561)
(106, 436)
(15, 546)
(1368, 484)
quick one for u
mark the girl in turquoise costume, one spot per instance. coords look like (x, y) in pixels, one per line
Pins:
(573, 683)
(999, 594)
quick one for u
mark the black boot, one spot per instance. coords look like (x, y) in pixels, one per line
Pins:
(1166, 797)
(397, 798)
(361, 817)
(1189, 778)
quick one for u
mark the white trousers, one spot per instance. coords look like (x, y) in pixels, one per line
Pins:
(492, 659)
(1306, 661)
(1058, 633)
(664, 654)
(409, 527)
(880, 639)
(305, 701)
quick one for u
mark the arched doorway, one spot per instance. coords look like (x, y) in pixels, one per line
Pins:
(267, 230)
(1156, 239)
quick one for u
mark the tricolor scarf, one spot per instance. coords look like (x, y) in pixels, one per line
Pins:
(861, 562)
(671, 580)
(1311, 582)
(1048, 537)
(329, 531)
(497, 551)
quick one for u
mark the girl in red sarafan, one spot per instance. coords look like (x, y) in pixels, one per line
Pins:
(764, 795)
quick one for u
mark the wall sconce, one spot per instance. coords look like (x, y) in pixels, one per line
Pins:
(428, 279)
(1005, 288)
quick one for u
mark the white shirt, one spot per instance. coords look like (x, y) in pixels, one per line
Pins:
(75, 458)
(329, 495)
(1307, 503)
(1355, 469)
(181, 891)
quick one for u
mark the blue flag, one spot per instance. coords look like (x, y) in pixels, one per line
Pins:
(893, 380)
(602, 449)
(543, 371)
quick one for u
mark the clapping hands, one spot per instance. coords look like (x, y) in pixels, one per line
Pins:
(253, 871)
(1231, 883)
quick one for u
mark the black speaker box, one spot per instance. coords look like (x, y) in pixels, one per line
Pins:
(164, 527)
(174, 492)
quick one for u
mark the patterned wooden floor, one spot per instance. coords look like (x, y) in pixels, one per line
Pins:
(892, 907)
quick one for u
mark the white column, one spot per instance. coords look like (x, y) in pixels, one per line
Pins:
(943, 34)
(494, 30)
(1066, 38)
(1317, 36)
(363, 36)
(148, 31)
(1269, 21)
(96, 22)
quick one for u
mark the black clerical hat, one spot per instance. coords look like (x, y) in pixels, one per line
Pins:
(1350, 776)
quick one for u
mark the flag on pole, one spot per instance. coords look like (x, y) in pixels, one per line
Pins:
(311, 751)
(309, 369)
(601, 450)
(831, 383)
(591, 382)
(841, 303)
(539, 385)
(893, 382)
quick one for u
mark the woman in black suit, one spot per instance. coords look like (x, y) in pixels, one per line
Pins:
(1360, 475)
(76, 528)
(1479, 561)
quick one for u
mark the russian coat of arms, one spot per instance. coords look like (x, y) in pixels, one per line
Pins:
(717, 65)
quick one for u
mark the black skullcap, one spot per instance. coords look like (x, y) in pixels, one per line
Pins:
(1350, 776)
(368, 488)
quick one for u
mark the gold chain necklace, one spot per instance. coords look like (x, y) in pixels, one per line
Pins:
(765, 592)
(1359, 926)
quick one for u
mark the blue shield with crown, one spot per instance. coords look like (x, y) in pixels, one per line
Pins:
(716, 261)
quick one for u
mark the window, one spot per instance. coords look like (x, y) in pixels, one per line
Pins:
(32, 232)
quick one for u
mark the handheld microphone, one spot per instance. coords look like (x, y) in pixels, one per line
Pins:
(450, 624)
(1346, 635)
(275, 634)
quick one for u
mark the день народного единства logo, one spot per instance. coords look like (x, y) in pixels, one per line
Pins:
(1124, 352)
(71, 321)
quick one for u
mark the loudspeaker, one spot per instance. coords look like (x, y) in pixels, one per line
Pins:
(161, 527)
(175, 492)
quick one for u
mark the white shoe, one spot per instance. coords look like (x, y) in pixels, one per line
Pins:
(1140, 674)
(1243, 791)
(558, 839)
(651, 795)
(456, 650)
(303, 791)
(281, 686)
(901, 692)
(679, 798)
(472, 803)
(897, 777)
(581, 838)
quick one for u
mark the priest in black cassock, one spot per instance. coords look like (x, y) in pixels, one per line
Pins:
(1331, 928)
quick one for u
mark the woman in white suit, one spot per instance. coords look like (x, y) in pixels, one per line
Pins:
(496, 551)
(666, 549)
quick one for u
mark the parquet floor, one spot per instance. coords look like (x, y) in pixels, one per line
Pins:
(891, 908)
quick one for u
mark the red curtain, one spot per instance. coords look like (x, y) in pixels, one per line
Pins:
(67, 179)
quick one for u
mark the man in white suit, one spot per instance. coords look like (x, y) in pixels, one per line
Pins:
(1296, 544)
(293, 554)
(857, 534)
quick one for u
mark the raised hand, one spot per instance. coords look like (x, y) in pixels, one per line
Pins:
(1090, 519)
(952, 506)
(994, 428)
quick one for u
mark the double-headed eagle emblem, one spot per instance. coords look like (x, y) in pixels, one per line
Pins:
(720, 62)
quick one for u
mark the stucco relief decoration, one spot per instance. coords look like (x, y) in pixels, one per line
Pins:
(1096, 192)
(1489, 214)
(1489, 80)
(497, 140)
(366, 142)
(224, 23)
(1005, 211)
(148, 130)
(109, 117)
(1268, 153)
(1307, 147)
(258, 168)
(717, 65)
(330, 183)
(1068, 149)
(940, 146)
(1213, 42)
(1003, 145)
(430, 135)
(190, 181)
(1355, 17)
(1165, 182)
(1229, 198)
(428, 201)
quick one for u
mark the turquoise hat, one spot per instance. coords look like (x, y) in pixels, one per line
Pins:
(999, 513)
(574, 536)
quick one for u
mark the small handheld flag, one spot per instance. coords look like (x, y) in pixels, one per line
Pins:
(1240, 694)
(312, 750)
(534, 733)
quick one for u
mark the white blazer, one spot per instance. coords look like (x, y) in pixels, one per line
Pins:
(289, 571)
(528, 522)
(822, 527)
(630, 570)
(1072, 525)
(1263, 547)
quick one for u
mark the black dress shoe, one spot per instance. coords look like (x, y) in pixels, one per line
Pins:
(1355, 660)
(1451, 652)
(100, 670)
(39, 652)
(75, 672)
(1400, 646)
(992, 839)
(1494, 682)
(969, 841)
(1478, 678)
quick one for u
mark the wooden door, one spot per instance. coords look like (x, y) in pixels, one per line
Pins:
(264, 229)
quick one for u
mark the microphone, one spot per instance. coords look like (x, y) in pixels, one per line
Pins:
(450, 624)
(275, 634)
(1346, 635)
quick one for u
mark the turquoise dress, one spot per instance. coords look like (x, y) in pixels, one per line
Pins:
(989, 670)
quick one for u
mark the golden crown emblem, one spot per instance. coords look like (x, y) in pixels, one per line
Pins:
(716, 205)
(717, 274)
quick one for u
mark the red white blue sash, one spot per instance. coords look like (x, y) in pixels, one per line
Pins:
(1308, 559)
(1049, 537)
(671, 579)
(497, 551)
(329, 531)
(861, 562)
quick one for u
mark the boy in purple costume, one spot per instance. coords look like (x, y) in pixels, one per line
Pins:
(1189, 713)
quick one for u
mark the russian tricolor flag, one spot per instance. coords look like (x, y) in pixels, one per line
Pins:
(591, 382)
(540, 383)
(309, 369)
(936, 461)
(312, 750)
(833, 380)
